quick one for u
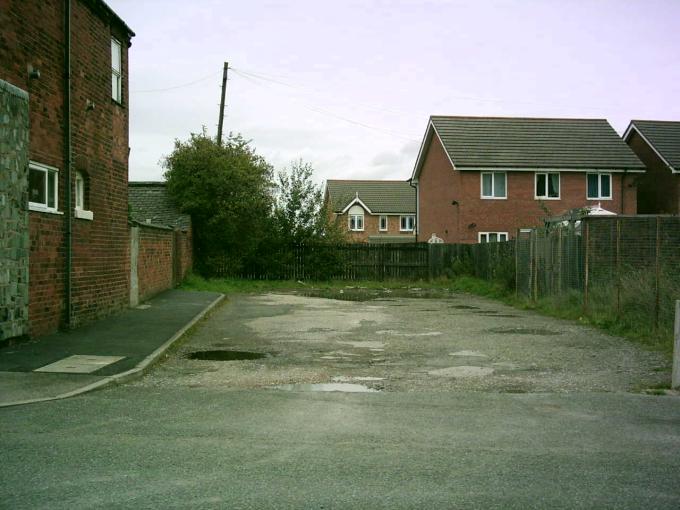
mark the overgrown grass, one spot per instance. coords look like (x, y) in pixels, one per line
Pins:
(570, 306)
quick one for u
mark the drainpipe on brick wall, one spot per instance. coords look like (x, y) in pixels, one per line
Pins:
(416, 226)
(67, 158)
(623, 191)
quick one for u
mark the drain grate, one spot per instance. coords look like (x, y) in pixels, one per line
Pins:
(225, 355)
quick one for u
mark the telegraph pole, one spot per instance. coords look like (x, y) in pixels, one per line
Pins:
(224, 92)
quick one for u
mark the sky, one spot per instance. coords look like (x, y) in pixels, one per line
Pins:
(348, 86)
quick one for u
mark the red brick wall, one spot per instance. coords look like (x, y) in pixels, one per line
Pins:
(154, 261)
(33, 33)
(371, 227)
(658, 188)
(439, 185)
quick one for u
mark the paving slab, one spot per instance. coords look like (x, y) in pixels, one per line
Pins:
(71, 362)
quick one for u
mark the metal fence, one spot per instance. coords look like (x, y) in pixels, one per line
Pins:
(626, 267)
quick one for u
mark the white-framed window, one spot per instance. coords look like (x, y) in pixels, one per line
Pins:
(493, 237)
(356, 218)
(81, 202)
(548, 185)
(599, 186)
(43, 187)
(382, 225)
(116, 70)
(494, 185)
(407, 223)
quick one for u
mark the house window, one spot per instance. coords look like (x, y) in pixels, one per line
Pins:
(599, 186)
(407, 223)
(116, 70)
(356, 218)
(494, 185)
(493, 237)
(383, 223)
(81, 198)
(548, 185)
(43, 184)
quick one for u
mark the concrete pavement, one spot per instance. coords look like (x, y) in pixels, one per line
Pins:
(114, 349)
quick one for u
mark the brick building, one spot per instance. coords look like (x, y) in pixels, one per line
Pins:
(480, 179)
(657, 144)
(71, 57)
(373, 211)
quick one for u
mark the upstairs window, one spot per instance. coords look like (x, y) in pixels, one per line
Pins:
(548, 185)
(599, 186)
(356, 219)
(80, 191)
(383, 223)
(43, 184)
(494, 185)
(493, 237)
(407, 223)
(116, 70)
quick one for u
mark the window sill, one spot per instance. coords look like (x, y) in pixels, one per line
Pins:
(494, 198)
(547, 198)
(83, 215)
(599, 198)
(42, 209)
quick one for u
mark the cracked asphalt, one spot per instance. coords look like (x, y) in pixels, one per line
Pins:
(474, 406)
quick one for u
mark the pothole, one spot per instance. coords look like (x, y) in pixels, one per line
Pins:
(327, 387)
(524, 331)
(225, 355)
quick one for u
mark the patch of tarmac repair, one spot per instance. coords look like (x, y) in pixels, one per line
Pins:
(462, 372)
(470, 354)
(327, 387)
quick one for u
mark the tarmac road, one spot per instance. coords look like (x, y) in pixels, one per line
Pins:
(216, 435)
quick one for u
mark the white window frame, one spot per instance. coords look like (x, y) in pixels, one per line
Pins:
(353, 222)
(493, 185)
(599, 186)
(80, 211)
(412, 222)
(380, 223)
(547, 177)
(49, 172)
(117, 74)
(485, 236)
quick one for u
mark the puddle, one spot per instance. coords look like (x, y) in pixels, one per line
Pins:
(225, 355)
(394, 332)
(327, 387)
(363, 294)
(470, 354)
(462, 372)
(524, 331)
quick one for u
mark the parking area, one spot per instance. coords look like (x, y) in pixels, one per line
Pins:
(406, 340)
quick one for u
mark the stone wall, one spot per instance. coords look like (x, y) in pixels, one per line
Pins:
(14, 253)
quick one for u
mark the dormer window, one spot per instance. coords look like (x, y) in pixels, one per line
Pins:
(356, 218)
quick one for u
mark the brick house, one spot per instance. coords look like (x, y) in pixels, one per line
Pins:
(71, 58)
(657, 144)
(480, 179)
(373, 211)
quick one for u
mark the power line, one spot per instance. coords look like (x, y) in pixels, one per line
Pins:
(174, 87)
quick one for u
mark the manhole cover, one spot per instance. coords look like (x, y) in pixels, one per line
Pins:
(224, 355)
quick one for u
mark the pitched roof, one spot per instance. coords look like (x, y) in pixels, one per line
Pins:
(150, 203)
(663, 136)
(530, 143)
(381, 197)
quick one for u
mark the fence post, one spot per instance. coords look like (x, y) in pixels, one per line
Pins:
(676, 349)
(618, 267)
(657, 270)
(586, 225)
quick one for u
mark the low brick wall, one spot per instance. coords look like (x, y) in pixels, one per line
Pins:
(160, 258)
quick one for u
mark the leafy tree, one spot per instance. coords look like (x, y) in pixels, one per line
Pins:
(227, 190)
(299, 211)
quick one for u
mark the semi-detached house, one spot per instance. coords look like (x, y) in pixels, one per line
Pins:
(480, 179)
